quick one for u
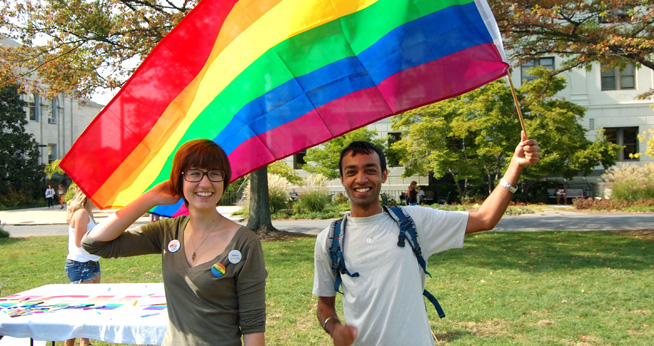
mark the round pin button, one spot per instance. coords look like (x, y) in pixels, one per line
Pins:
(234, 256)
(173, 246)
(218, 270)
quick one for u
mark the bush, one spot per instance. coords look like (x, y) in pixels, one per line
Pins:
(518, 210)
(319, 215)
(613, 204)
(3, 233)
(388, 200)
(451, 207)
(596, 204)
(340, 198)
(630, 193)
(277, 196)
(313, 201)
(17, 199)
(630, 182)
(341, 207)
(278, 199)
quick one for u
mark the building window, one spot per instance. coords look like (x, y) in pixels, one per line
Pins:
(52, 152)
(625, 136)
(547, 63)
(31, 103)
(298, 159)
(619, 79)
(392, 156)
(53, 112)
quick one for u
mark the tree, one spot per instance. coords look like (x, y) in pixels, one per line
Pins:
(324, 159)
(461, 137)
(285, 171)
(648, 136)
(611, 32)
(52, 168)
(555, 123)
(472, 137)
(80, 46)
(259, 218)
(19, 154)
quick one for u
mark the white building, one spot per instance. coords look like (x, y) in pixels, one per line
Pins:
(57, 122)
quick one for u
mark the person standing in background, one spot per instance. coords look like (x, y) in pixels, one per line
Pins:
(61, 192)
(561, 194)
(412, 194)
(420, 196)
(81, 267)
(49, 193)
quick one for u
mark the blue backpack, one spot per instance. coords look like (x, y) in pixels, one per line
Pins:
(407, 226)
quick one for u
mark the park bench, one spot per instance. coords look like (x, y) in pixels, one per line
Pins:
(429, 197)
(570, 193)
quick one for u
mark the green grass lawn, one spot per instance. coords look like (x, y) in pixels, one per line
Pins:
(545, 288)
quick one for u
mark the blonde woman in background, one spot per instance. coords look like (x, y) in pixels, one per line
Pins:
(81, 267)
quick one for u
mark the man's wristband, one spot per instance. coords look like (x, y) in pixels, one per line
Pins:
(508, 186)
(324, 324)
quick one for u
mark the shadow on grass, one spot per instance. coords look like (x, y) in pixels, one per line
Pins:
(451, 335)
(286, 236)
(11, 241)
(542, 252)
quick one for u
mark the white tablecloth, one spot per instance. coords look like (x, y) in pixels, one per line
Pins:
(120, 313)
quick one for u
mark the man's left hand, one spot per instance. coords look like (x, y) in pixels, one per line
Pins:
(527, 152)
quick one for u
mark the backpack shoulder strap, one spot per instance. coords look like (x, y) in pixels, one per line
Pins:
(408, 232)
(333, 244)
(336, 253)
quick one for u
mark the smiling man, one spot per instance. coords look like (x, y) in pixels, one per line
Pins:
(383, 302)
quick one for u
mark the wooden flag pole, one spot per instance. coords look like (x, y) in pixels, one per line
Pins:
(517, 104)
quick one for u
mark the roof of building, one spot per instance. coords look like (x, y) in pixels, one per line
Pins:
(8, 42)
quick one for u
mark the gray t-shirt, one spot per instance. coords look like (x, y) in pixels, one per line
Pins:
(203, 309)
(385, 302)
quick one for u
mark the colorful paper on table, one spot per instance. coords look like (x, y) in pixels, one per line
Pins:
(268, 78)
(77, 301)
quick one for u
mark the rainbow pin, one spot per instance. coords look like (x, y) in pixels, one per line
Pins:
(218, 270)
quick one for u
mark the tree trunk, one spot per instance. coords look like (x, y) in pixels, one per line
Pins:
(489, 176)
(462, 192)
(259, 219)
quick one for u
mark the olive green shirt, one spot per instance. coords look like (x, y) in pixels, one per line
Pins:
(203, 308)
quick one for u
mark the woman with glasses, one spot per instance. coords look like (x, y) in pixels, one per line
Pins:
(213, 269)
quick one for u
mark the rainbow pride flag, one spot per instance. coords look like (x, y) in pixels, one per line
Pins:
(268, 78)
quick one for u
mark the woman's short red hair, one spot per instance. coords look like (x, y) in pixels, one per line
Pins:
(198, 153)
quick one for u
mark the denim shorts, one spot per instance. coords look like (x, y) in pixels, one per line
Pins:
(78, 272)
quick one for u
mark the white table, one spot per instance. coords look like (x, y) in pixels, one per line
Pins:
(118, 313)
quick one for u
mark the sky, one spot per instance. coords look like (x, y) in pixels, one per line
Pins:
(103, 96)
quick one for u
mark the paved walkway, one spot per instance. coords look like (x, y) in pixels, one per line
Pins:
(44, 221)
(56, 216)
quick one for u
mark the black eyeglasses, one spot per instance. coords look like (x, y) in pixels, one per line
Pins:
(196, 175)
